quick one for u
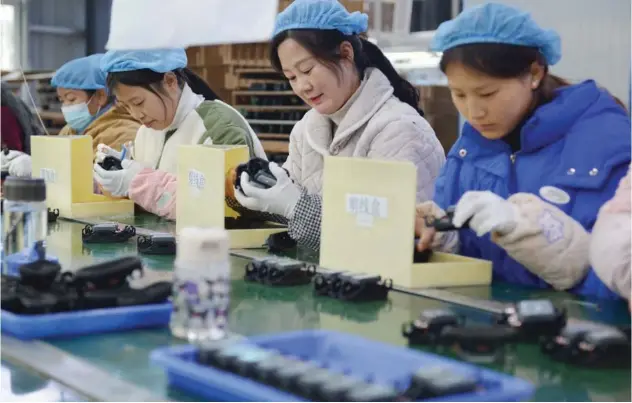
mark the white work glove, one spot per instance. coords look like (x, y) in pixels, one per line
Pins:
(447, 241)
(16, 163)
(107, 151)
(117, 182)
(279, 199)
(487, 212)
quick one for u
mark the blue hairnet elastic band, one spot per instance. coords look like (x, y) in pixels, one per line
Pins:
(497, 23)
(158, 60)
(321, 15)
(83, 73)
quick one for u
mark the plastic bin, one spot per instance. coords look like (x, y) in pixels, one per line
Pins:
(67, 324)
(339, 352)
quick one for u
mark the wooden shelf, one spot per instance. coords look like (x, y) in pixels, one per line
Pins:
(275, 147)
(254, 70)
(272, 122)
(273, 136)
(266, 108)
(263, 93)
(54, 116)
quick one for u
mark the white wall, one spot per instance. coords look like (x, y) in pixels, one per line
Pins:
(595, 38)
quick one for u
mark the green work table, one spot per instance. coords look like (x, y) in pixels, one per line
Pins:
(116, 366)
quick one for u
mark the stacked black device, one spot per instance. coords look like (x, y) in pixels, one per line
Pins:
(312, 381)
(531, 321)
(43, 288)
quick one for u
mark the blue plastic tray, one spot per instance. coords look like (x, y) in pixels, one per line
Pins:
(340, 352)
(66, 324)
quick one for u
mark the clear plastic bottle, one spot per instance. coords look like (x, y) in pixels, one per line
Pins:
(25, 218)
(201, 286)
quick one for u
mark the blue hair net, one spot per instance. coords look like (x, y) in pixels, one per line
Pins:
(158, 60)
(81, 74)
(320, 14)
(497, 23)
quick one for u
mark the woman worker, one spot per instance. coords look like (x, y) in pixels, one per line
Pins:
(87, 107)
(17, 125)
(360, 106)
(528, 134)
(175, 107)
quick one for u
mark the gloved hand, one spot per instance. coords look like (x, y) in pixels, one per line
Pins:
(428, 237)
(107, 151)
(488, 213)
(117, 182)
(16, 163)
(279, 199)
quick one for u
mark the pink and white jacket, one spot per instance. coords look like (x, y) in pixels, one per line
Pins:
(196, 122)
(612, 239)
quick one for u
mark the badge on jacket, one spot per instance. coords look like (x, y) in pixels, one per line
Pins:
(554, 195)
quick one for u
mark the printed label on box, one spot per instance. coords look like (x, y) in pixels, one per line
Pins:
(197, 181)
(366, 208)
(49, 175)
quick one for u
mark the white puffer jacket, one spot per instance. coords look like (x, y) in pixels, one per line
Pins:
(375, 125)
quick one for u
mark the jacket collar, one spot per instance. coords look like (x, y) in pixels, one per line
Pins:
(373, 93)
(189, 101)
(550, 122)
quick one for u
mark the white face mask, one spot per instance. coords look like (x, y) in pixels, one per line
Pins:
(78, 115)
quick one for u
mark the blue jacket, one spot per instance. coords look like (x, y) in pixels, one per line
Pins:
(579, 143)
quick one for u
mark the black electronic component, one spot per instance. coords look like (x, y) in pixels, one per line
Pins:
(325, 281)
(534, 319)
(207, 353)
(107, 233)
(442, 224)
(39, 274)
(285, 377)
(110, 163)
(68, 298)
(479, 342)
(159, 244)
(35, 303)
(362, 287)
(338, 388)
(247, 362)
(426, 328)
(560, 346)
(257, 269)
(101, 298)
(311, 383)
(604, 348)
(436, 382)
(280, 242)
(287, 272)
(589, 344)
(259, 173)
(9, 294)
(110, 274)
(53, 215)
(420, 257)
(264, 370)
(152, 294)
(278, 271)
(372, 393)
(226, 358)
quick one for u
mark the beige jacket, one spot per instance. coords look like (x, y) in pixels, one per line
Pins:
(114, 128)
(547, 242)
(560, 260)
(373, 124)
(610, 253)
